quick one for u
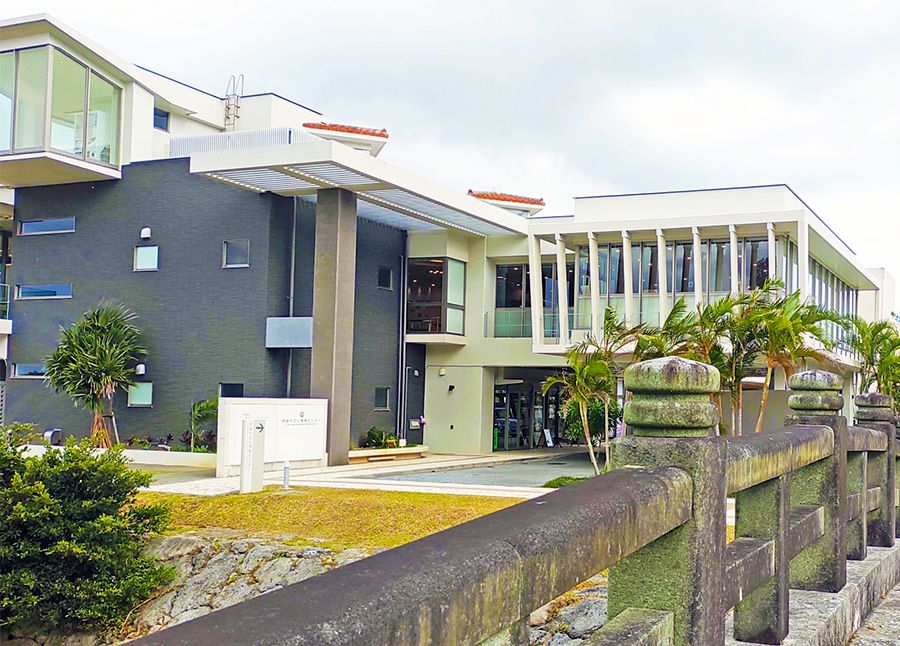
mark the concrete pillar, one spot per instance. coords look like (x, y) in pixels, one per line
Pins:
(536, 289)
(662, 276)
(562, 290)
(816, 400)
(628, 278)
(733, 257)
(334, 287)
(875, 410)
(803, 258)
(690, 557)
(594, 259)
(699, 278)
(773, 260)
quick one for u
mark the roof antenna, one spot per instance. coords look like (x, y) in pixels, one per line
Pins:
(233, 93)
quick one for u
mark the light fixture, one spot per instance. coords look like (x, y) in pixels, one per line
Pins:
(145, 233)
(140, 369)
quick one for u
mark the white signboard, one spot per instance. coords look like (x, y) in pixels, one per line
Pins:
(295, 432)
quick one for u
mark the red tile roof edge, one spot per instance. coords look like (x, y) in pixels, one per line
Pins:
(355, 130)
(506, 197)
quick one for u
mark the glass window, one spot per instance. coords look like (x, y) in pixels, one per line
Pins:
(386, 278)
(7, 91)
(649, 269)
(160, 119)
(584, 271)
(146, 258)
(719, 266)
(103, 121)
(236, 253)
(231, 390)
(510, 288)
(67, 105)
(756, 263)
(49, 290)
(31, 99)
(603, 262)
(455, 320)
(425, 295)
(456, 282)
(46, 225)
(29, 370)
(616, 270)
(382, 398)
(636, 269)
(140, 395)
(684, 267)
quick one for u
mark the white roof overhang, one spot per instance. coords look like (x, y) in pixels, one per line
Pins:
(385, 193)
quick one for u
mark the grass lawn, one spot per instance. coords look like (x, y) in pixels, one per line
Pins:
(562, 481)
(337, 518)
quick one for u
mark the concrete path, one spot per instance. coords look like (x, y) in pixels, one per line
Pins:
(882, 627)
(378, 476)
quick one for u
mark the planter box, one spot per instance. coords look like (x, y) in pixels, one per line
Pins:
(155, 458)
(359, 456)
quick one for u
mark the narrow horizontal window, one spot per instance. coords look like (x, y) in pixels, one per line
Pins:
(46, 225)
(140, 394)
(34, 370)
(382, 398)
(236, 253)
(160, 119)
(146, 258)
(49, 290)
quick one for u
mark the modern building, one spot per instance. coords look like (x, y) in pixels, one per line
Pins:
(269, 252)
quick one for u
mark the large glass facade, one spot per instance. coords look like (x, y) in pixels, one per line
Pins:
(829, 291)
(50, 101)
(511, 317)
(435, 296)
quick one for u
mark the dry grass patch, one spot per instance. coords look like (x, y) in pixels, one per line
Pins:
(338, 518)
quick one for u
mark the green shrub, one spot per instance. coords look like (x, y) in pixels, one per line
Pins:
(572, 417)
(378, 438)
(562, 481)
(71, 537)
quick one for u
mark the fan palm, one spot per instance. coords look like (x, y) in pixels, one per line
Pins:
(785, 326)
(95, 357)
(202, 412)
(878, 344)
(589, 377)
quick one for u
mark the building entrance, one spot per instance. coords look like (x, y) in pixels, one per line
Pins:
(521, 415)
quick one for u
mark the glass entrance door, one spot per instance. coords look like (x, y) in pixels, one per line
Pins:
(513, 411)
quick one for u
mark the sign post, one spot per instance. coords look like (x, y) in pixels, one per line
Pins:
(253, 433)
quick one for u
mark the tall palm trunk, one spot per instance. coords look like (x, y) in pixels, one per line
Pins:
(583, 409)
(99, 434)
(765, 397)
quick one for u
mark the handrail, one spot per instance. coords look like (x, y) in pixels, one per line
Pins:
(464, 584)
(757, 458)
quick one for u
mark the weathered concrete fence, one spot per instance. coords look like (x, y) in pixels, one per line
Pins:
(809, 496)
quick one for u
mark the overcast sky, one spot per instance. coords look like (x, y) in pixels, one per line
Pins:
(558, 99)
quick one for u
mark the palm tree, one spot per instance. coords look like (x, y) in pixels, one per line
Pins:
(784, 327)
(712, 322)
(877, 344)
(617, 336)
(589, 377)
(95, 357)
(676, 337)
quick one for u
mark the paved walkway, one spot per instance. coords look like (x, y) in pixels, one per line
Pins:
(418, 476)
(882, 628)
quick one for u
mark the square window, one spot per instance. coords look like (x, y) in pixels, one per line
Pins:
(231, 390)
(160, 119)
(140, 394)
(382, 398)
(236, 253)
(386, 278)
(146, 258)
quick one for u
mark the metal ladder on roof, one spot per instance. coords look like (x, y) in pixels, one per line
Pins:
(233, 93)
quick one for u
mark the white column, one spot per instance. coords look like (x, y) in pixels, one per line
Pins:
(803, 258)
(626, 266)
(698, 267)
(536, 289)
(594, 259)
(562, 289)
(773, 260)
(662, 276)
(735, 279)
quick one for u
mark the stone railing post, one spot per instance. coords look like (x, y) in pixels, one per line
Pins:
(671, 419)
(874, 410)
(816, 400)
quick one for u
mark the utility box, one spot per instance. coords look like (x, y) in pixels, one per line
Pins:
(253, 437)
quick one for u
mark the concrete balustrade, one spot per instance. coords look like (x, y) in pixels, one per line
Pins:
(808, 497)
